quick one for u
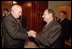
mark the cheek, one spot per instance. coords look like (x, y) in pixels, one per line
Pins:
(16, 13)
(46, 17)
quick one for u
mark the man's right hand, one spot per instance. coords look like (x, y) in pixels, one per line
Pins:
(31, 33)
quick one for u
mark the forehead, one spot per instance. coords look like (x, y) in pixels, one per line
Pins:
(17, 7)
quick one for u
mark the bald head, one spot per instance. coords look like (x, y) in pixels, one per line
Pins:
(16, 7)
(16, 10)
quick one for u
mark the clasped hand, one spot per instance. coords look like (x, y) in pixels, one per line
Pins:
(31, 33)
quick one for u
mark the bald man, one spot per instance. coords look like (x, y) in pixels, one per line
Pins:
(14, 34)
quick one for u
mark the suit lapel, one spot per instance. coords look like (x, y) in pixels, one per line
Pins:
(14, 19)
(48, 26)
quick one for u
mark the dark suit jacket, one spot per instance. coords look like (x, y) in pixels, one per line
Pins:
(66, 28)
(50, 36)
(14, 32)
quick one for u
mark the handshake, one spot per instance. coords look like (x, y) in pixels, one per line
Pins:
(31, 33)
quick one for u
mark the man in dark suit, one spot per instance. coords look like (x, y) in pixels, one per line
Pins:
(66, 24)
(50, 36)
(14, 34)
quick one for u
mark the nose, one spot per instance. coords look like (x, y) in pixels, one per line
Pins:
(42, 16)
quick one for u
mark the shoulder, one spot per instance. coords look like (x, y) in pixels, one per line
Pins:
(56, 24)
(8, 18)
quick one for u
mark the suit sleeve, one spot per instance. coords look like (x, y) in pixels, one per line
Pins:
(51, 38)
(12, 29)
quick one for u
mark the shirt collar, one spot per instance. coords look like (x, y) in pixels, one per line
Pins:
(49, 21)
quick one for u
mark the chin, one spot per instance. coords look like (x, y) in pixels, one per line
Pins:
(44, 20)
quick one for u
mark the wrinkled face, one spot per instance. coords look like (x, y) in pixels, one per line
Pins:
(46, 16)
(18, 12)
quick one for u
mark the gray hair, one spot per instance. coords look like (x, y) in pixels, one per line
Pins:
(15, 7)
